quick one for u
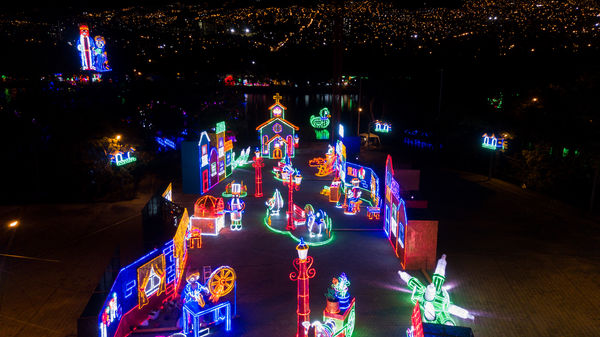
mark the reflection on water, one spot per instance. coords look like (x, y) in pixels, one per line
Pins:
(298, 104)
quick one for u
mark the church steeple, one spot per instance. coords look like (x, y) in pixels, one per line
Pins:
(277, 109)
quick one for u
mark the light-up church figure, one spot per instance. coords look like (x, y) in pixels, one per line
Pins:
(236, 208)
(434, 299)
(93, 55)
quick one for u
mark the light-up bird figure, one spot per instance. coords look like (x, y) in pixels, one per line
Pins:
(434, 299)
(321, 121)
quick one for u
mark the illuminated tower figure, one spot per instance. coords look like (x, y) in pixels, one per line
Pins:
(275, 203)
(258, 165)
(86, 47)
(353, 196)
(302, 275)
(100, 58)
(434, 299)
(236, 208)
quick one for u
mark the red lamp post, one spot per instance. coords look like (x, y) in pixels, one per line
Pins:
(304, 272)
(258, 164)
(293, 181)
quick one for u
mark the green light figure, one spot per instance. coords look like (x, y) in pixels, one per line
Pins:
(434, 299)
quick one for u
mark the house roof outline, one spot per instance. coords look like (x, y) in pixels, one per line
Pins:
(281, 120)
(277, 104)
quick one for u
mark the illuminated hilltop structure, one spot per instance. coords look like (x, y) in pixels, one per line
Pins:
(92, 53)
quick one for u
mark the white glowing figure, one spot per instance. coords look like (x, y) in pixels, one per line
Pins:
(236, 208)
(275, 203)
(434, 299)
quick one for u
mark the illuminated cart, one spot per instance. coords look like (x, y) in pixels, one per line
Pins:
(344, 320)
(192, 314)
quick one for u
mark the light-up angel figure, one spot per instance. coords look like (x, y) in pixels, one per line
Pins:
(353, 194)
(194, 291)
(236, 208)
(275, 203)
(434, 299)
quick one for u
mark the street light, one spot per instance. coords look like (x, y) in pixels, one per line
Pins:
(13, 224)
(118, 137)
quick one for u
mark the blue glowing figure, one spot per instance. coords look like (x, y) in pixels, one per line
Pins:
(100, 56)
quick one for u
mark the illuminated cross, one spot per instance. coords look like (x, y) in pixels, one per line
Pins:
(277, 97)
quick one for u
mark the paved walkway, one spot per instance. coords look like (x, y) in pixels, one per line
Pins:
(523, 267)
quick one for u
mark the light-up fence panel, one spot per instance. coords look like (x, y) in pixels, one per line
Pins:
(277, 136)
(144, 285)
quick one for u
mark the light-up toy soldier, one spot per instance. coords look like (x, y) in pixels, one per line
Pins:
(434, 299)
(236, 208)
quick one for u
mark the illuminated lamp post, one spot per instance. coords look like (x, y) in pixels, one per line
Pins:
(293, 182)
(302, 275)
(258, 164)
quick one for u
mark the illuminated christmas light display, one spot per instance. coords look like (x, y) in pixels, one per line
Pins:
(293, 183)
(208, 162)
(205, 300)
(434, 299)
(341, 308)
(92, 53)
(122, 158)
(352, 184)
(165, 143)
(275, 203)
(416, 330)
(242, 160)
(304, 272)
(228, 193)
(492, 143)
(209, 215)
(317, 221)
(236, 208)
(258, 165)
(395, 221)
(277, 135)
(321, 123)
(145, 284)
(383, 127)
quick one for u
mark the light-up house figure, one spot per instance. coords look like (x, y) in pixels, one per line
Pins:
(434, 299)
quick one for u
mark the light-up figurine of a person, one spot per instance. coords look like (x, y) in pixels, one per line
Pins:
(194, 291)
(353, 196)
(236, 208)
(100, 56)
(434, 299)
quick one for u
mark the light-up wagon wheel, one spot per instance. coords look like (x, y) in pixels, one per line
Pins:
(220, 282)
